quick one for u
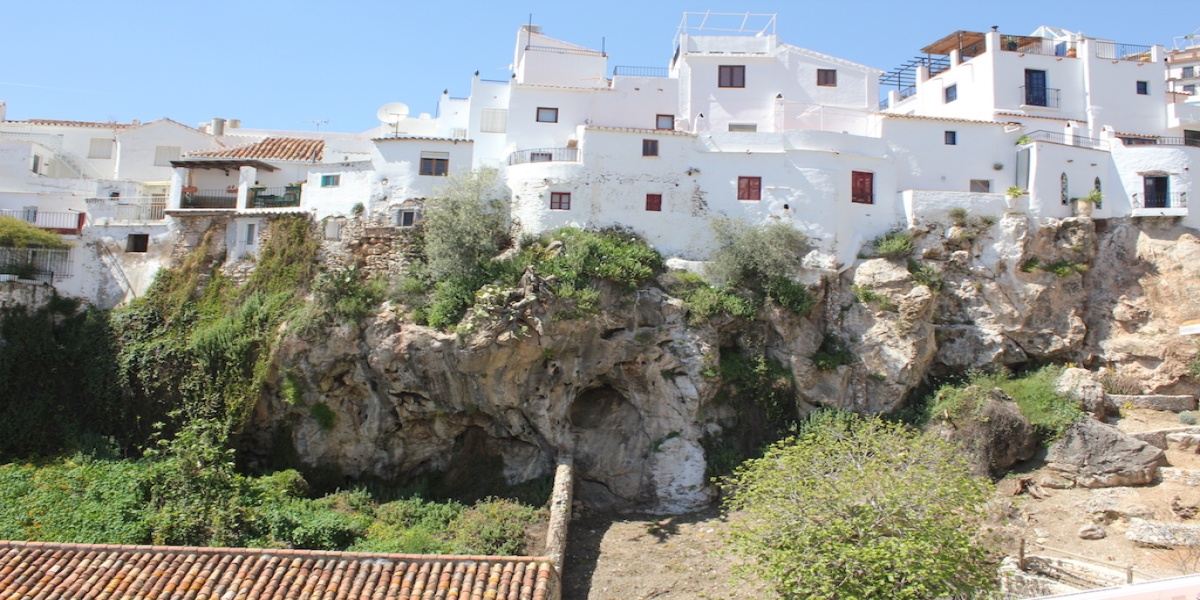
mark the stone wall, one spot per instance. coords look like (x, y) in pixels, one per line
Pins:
(30, 295)
(379, 248)
(191, 230)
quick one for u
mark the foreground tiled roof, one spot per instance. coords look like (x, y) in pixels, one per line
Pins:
(272, 148)
(52, 570)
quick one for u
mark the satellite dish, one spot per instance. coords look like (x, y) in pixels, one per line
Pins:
(392, 112)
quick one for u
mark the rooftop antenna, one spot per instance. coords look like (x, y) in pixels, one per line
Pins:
(318, 123)
(391, 114)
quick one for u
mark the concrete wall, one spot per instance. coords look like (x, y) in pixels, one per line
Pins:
(136, 148)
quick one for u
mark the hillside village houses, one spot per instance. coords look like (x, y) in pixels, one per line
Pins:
(736, 124)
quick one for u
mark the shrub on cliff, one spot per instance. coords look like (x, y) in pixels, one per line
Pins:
(854, 507)
(764, 259)
(465, 223)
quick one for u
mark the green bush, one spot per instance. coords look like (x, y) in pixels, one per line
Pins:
(1033, 391)
(704, 301)
(465, 224)
(958, 215)
(15, 233)
(320, 524)
(750, 256)
(832, 354)
(493, 526)
(349, 295)
(323, 415)
(926, 274)
(893, 245)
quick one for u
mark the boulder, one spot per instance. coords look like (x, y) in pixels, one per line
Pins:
(1177, 403)
(995, 437)
(1085, 388)
(1115, 504)
(1163, 535)
(1092, 532)
(1091, 454)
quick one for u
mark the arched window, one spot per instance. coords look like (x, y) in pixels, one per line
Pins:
(1096, 186)
(1063, 184)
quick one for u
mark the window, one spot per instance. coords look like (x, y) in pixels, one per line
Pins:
(649, 147)
(1189, 89)
(951, 138)
(827, 77)
(137, 242)
(749, 188)
(950, 94)
(731, 76)
(547, 115)
(540, 157)
(251, 234)
(1036, 92)
(333, 229)
(493, 120)
(100, 148)
(743, 127)
(664, 122)
(981, 186)
(1188, 72)
(560, 201)
(1099, 192)
(331, 180)
(163, 155)
(1157, 189)
(37, 164)
(435, 163)
(654, 202)
(407, 217)
(862, 187)
(1062, 188)
(1143, 88)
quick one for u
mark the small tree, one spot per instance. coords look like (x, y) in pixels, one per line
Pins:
(465, 223)
(748, 254)
(854, 507)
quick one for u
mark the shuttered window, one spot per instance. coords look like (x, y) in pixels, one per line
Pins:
(654, 202)
(493, 120)
(435, 163)
(749, 188)
(100, 148)
(862, 187)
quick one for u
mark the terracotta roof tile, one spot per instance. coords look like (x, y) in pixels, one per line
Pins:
(109, 125)
(53, 570)
(943, 119)
(272, 148)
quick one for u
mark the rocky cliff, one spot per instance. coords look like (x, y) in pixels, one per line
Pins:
(634, 392)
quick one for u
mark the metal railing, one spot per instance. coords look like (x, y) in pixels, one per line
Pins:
(641, 71)
(40, 264)
(226, 198)
(906, 74)
(1115, 51)
(1179, 141)
(1159, 141)
(66, 223)
(575, 51)
(1160, 200)
(274, 197)
(544, 155)
(1065, 139)
(150, 208)
(1041, 96)
(1037, 45)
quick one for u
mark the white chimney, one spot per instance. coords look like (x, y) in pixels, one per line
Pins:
(3, 110)
(218, 126)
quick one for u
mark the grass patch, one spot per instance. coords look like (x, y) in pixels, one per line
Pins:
(1034, 391)
(893, 245)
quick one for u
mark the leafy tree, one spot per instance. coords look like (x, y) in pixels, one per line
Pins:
(855, 507)
(764, 259)
(465, 223)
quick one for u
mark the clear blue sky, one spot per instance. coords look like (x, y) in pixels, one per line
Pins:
(283, 65)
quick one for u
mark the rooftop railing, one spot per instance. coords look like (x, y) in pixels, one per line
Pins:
(1115, 51)
(1037, 45)
(148, 208)
(641, 71)
(556, 50)
(1159, 141)
(544, 155)
(1065, 139)
(63, 223)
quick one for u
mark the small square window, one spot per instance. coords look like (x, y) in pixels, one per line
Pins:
(1143, 88)
(493, 120)
(1188, 72)
(666, 122)
(406, 218)
(1189, 89)
(547, 115)
(749, 188)
(981, 186)
(951, 138)
(654, 202)
(649, 147)
(827, 77)
(331, 180)
(950, 94)
(434, 166)
(560, 201)
(731, 76)
(137, 242)
(862, 187)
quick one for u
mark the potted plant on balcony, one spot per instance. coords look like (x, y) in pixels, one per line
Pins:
(1085, 204)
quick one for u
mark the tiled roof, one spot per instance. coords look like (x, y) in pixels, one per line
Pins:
(945, 119)
(109, 125)
(640, 130)
(272, 148)
(52, 570)
(400, 138)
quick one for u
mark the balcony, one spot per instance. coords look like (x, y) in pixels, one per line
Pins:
(544, 155)
(641, 71)
(1115, 51)
(1037, 45)
(1159, 200)
(208, 199)
(126, 209)
(62, 223)
(1065, 139)
(35, 264)
(274, 197)
(1041, 96)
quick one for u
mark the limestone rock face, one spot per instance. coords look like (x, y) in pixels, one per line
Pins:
(1091, 454)
(1085, 388)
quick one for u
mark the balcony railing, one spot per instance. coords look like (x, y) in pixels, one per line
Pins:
(1037, 45)
(1160, 141)
(1040, 96)
(275, 197)
(572, 51)
(127, 209)
(208, 199)
(38, 264)
(1065, 139)
(641, 71)
(1160, 200)
(544, 155)
(1115, 51)
(63, 223)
